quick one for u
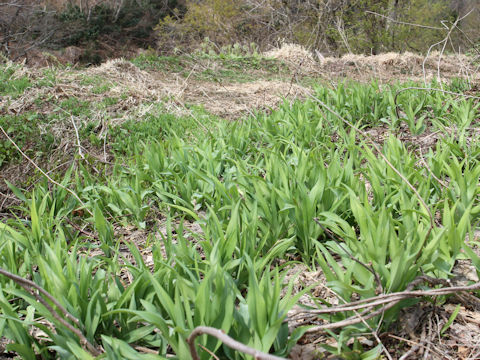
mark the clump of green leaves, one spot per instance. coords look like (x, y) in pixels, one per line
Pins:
(150, 60)
(128, 137)
(10, 83)
(26, 131)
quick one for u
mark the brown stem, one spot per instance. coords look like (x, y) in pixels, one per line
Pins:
(227, 340)
(387, 300)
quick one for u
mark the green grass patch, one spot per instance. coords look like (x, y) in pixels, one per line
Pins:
(162, 63)
(107, 101)
(231, 68)
(30, 133)
(125, 139)
(91, 80)
(255, 63)
(225, 74)
(49, 79)
(10, 84)
(101, 89)
(75, 107)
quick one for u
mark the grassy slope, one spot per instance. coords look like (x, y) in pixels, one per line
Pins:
(196, 220)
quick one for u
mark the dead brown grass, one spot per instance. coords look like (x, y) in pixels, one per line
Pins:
(385, 67)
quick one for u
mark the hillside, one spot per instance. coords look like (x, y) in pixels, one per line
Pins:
(310, 207)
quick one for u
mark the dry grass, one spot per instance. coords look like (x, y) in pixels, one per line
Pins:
(294, 55)
(384, 67)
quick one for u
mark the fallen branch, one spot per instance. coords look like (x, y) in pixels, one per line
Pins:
(227, 340)
(386, 300)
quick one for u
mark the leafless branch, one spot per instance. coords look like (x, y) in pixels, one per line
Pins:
(227, 340)
(444, 44)
(404, 23)
(387, 300)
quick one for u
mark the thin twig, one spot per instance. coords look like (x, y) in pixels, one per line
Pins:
(444, 42)
(78, 138)
(341, 31)
(387, 300)
(185, 82)
(369, 268)
(420, 344)
(429, 336)
(363, 320)
(426, 58)
(430, 170)
(209, 351)
(294, 77)
(29, 283)
(404, 23)
(227, 340)
(29, 286)
(45, 174)
(411, 351)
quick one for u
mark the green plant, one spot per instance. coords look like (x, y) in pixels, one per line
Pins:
(26, 131)
(128, 137)
(200, 219)
(151, 60)
(11, 83)
(415, 122)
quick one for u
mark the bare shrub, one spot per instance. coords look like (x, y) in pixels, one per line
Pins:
(25, 25)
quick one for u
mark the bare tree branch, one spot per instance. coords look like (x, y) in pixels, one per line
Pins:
(404, 23)
(227, 340)
(387, 300)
